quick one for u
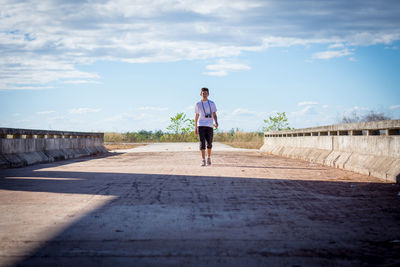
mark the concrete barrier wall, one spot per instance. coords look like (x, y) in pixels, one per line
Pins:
(21, 147)
(371, 148)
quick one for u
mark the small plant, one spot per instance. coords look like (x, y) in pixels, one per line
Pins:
(179, 124)
(181, 129)
(277, 123)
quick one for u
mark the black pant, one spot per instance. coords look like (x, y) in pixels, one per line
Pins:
(205, 134)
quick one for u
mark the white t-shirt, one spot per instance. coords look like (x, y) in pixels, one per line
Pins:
(209, 107)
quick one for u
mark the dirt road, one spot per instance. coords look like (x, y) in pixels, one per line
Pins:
(163, 209)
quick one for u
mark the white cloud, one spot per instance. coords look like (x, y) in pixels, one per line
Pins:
(43, 42)
(359, 108)
(45, 112)
(127, 121)
(242, 118)
(59, 119)
(83, 110)
(81, 82)
(221, 7)
(332, 54)
(311, 116)
(337, 45)
(395, 107)
(306, 103)
(222, 68)
(306, 111)
(373, 38)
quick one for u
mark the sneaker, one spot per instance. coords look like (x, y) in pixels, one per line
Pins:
(208, 161)
(203, 163)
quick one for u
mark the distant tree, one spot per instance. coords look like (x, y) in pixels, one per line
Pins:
(144, 135)
(157, 135)
(276, 123)
(375, 116)
(353, 117)
(370, 116)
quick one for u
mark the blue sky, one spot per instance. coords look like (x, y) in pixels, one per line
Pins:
(131, 65)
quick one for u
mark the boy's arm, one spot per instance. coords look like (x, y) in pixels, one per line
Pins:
(215, 119)
(196, 118)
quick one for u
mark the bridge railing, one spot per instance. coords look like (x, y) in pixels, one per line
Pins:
(20, 147)
(371, 148)
(388, 127)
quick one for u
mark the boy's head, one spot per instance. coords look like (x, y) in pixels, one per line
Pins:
(204, 91)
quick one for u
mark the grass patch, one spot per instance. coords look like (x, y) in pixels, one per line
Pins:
(250, 140)
(248, 145)
(239, 139)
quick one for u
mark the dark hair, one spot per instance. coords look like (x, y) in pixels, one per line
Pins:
(205, 89)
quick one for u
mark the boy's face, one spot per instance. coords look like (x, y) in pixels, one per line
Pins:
(204, 94)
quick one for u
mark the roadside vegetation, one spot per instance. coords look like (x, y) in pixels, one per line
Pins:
(181, 129)
(234, 138)
(367, 117)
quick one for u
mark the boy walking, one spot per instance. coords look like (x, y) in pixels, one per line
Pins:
(205, 115)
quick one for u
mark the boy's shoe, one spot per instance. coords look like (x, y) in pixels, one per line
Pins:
(203, 163)
(208, 161)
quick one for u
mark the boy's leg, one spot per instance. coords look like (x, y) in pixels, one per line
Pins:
(209, 138)
(202, 139)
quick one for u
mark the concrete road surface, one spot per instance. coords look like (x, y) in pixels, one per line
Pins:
(163, 209)
(181, 147)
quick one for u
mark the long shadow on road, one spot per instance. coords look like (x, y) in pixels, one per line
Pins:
(158, 219)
